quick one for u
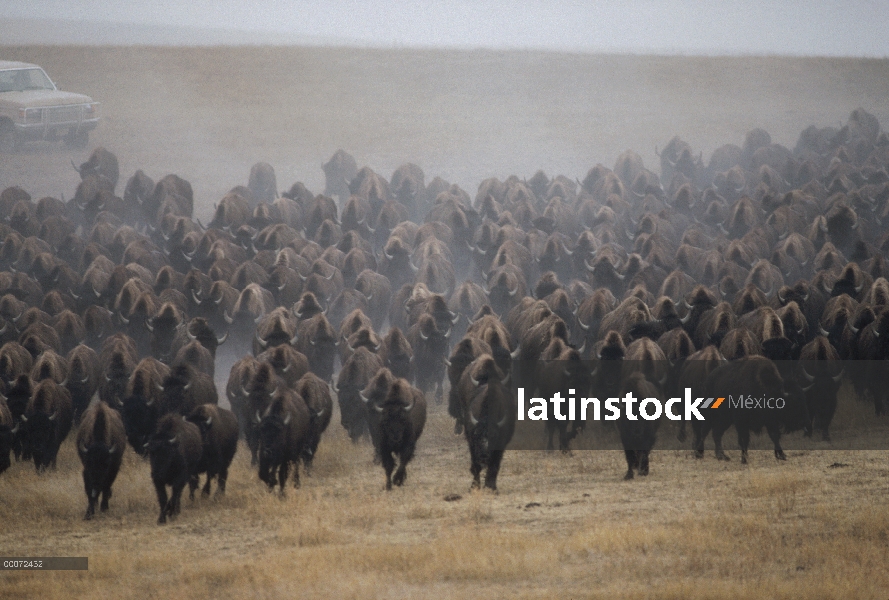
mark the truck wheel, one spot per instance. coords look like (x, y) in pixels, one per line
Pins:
(78, 140)
(8, 141)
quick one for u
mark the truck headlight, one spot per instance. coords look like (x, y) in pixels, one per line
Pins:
(31, 115)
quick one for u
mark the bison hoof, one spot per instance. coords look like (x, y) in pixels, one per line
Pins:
(458, 428)
(398, 479)
(743, 460)
(699, 454)
(88, 516)
(629, 475)
(727, 459)
(780, 456)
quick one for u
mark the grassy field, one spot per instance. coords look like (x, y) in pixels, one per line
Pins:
(816, 526)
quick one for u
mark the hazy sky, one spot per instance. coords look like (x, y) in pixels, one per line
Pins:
(819, 27)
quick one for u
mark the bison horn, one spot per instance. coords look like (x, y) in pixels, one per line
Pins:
(588, 267)
(227, 318)
(148, 325)
(218, 300)
(221, 341)
(262, 343)
(190, 335)
(293, 339)
(808, 387)
(151, 402)
(83, 448)
(387, 255)
(410, 406)
(514, 291)
(876, 333)
(377, 408)
(195, 297)
(423, 337)
(454, 318)
(85, 379)
(858, 289)
(515, 355)
(364, 398)
(474, 381)
(173, 440)
(582, 325)
(685, 319)
(256, 417)
(24, 419)
(186, 386)
(447, 362)
(112, 449)
(838, 377)
(259, 318)
(809, 378)
(824, 332)
(123, 319)
(472, 419)
(53, 416)
(780, 297)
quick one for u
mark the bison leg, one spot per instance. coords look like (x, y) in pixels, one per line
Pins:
(717, 442)
(401, 474)
(563, 438)
(283, 471)
(475, 468)
(296, 482)
(700, 433)
(388, 465)
(643, 462)
(455, 409)
(494, 461)
(91, 498)
(744, 443)
(205, 491)
(175, 502)
(106, 496)
(193, 483)
(631, 462)
(775, 435)
(161, 490)
(220, 482)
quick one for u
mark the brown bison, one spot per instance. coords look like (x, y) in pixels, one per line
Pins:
(101, 442)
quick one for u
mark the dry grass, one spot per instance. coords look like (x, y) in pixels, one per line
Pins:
(562, 526)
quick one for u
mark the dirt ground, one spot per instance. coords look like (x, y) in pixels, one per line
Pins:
(815, 526)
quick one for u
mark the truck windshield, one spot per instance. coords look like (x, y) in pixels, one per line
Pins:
(20, 80)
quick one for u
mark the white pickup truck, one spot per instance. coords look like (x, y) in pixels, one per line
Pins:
(33, 108)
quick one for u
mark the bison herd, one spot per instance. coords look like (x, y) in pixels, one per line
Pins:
(740, 273)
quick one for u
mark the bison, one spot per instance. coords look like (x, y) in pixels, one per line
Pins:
(101, 442)
(175, 451)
